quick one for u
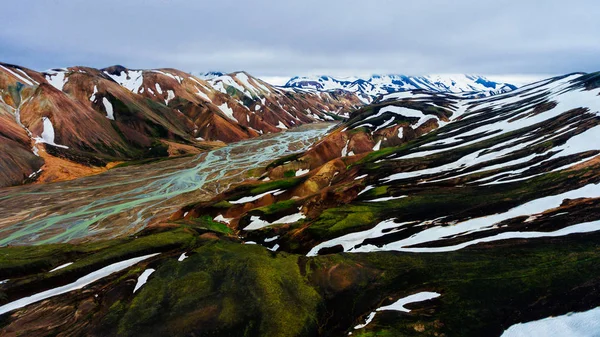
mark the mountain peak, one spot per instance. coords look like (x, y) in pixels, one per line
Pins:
(377, 85)
(114, 70)
(208, 75)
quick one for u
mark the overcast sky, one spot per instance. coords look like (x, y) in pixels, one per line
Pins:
(501, 39)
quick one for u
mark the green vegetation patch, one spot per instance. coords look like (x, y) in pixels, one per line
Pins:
(277, 207)
(282, 184)
(284, 160)
(28, 260)
(222, 204)
(334, 222)
(262, 187)
(223, 289)
(207, 222)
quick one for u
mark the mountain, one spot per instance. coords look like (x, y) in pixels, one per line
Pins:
(370, 89)
(85, 118)
(209, 75)
(281, 107)
(489, 155)
(424, 213)
(444, 176)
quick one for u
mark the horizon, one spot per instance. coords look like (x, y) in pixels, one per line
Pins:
(515, 79)
(269, 39)
(265, 168)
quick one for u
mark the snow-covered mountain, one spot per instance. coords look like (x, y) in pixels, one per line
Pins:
(208, 75)
(371, 88)
(435, 180)
(92, 117)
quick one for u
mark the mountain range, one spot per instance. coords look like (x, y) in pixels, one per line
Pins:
(370, 89)
(69, 122)
(408, 145)
(417, 212)
(423, 213)
(65, 123)
(441, 183)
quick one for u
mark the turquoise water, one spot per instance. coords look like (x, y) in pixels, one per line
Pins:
(125, 200)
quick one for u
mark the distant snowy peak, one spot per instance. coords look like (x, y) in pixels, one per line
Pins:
(322, 83)
(243, 83)
(377, 85)
(208, 75)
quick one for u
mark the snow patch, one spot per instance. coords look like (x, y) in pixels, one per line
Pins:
(377, 146)
(290, 218)
(47, 136)
(281, 126)
(182, 257)
(132, 80)
(220, 218)
(419, 297)
(387, 198)
(56, 79)
(370, 187)
(345, 149)
(253, 198)
(61, 267)
(256, 223)
(302, 172)
(227, 111)
(203, 95)
(579, 324)
(110, 114)
(399, 305)
(93, 97)
(170, 96)
(143, 279)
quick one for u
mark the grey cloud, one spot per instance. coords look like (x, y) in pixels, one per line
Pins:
(275, 38)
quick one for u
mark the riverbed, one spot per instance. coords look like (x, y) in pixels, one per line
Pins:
(124, 200)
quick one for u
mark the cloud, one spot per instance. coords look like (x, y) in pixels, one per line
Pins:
(285, 38)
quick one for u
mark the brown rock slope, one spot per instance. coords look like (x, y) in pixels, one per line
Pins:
(392, 121)
(17, 159)
(93, 117)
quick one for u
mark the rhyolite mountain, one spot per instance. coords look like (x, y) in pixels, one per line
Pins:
(412, 146)
(447, 178)
(369, 89)
(424, 214)
(65, 123)
(69, 122)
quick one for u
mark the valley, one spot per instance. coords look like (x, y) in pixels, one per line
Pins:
(417, 213)
(125, 200)
(70, 122)
(300, 168)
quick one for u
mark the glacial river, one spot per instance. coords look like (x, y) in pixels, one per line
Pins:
(124, 200)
